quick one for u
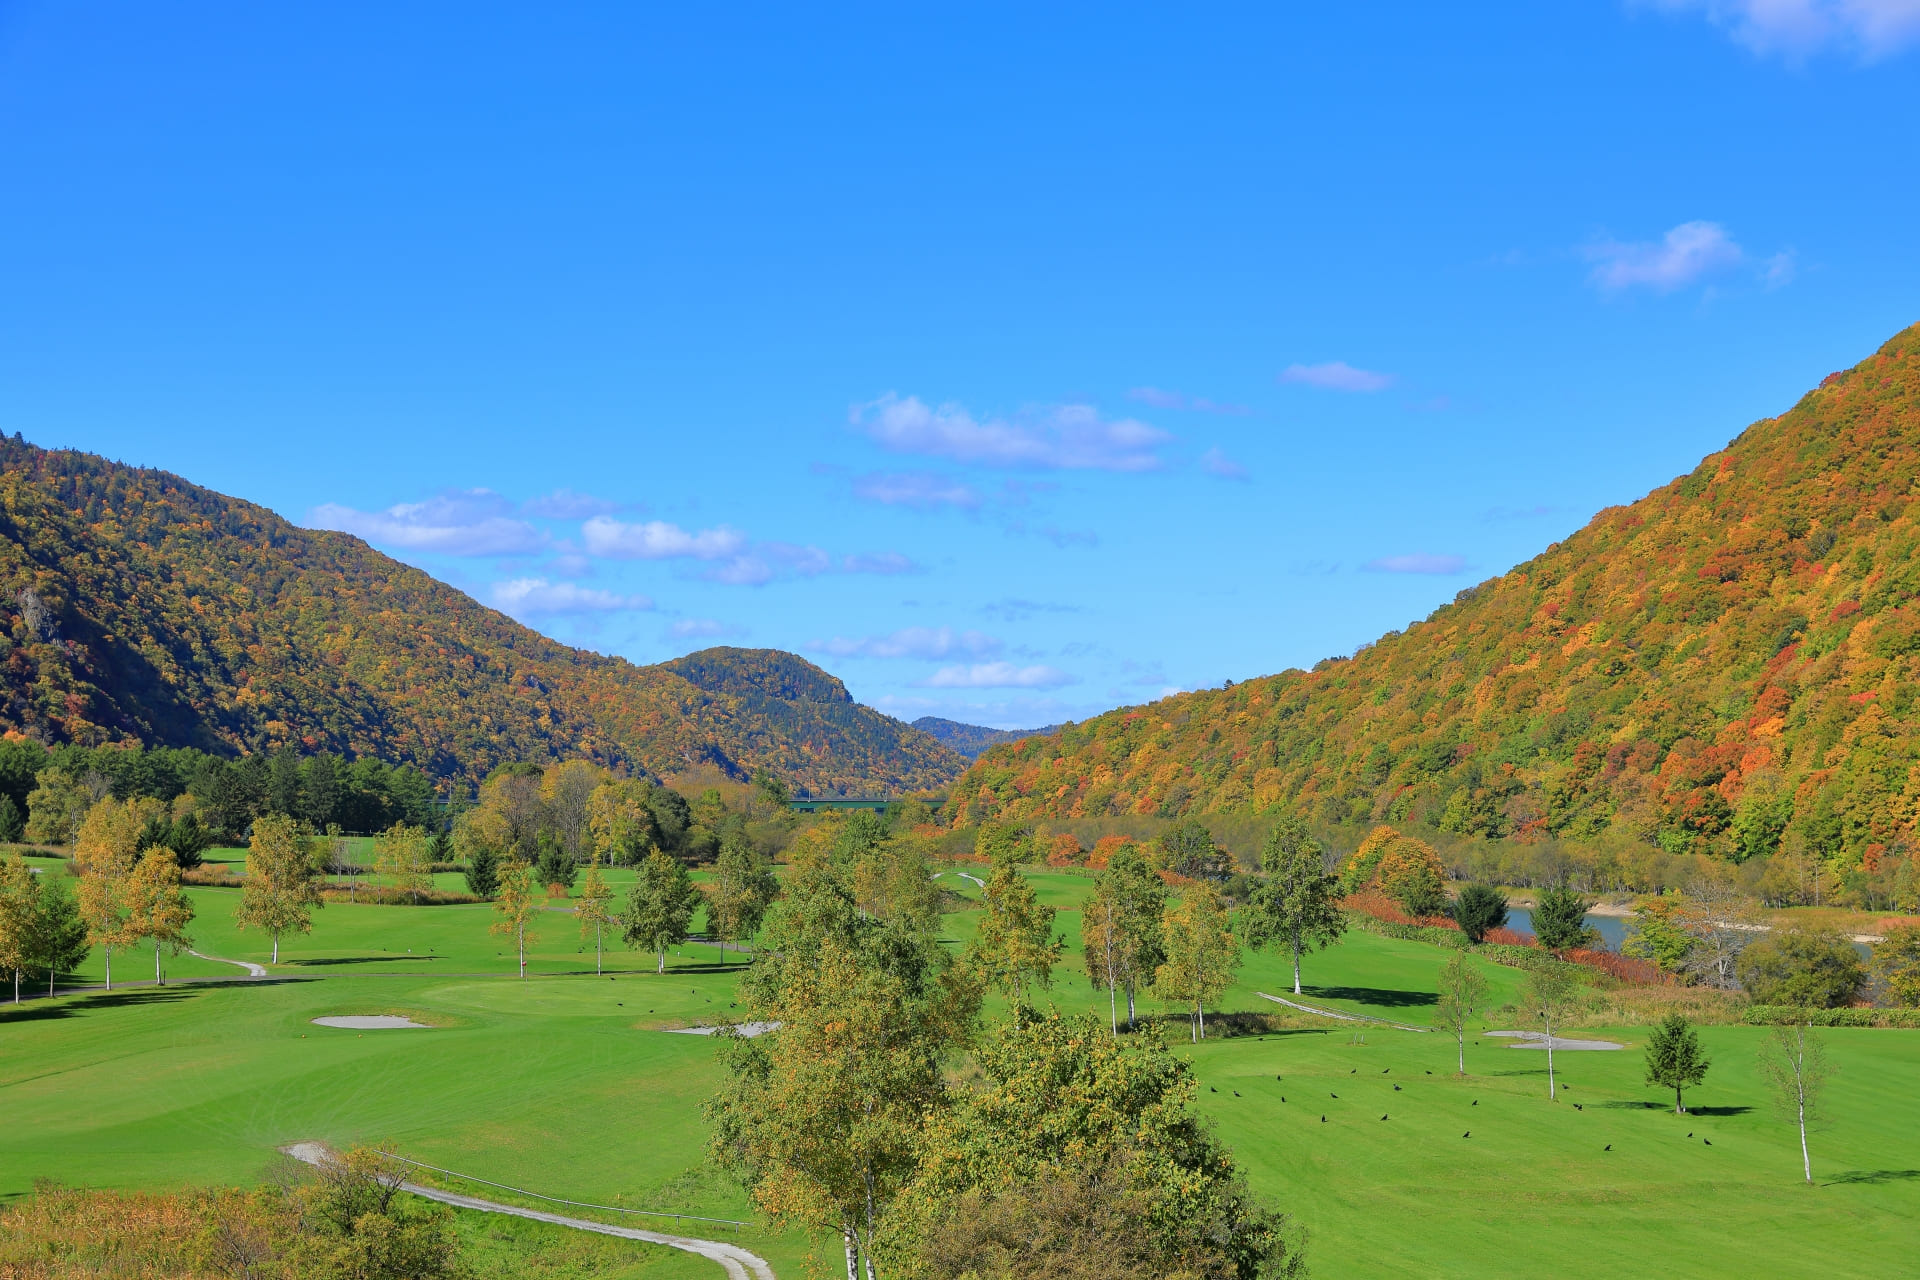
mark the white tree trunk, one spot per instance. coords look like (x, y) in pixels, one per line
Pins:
(1551, 1095)
(1296, 959)
(276, 946)
(109, 968)
(853, 1261)
(1460, 1044)
(158, 981)
(596, 949)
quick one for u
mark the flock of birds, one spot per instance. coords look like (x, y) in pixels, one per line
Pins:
(1397, 1089)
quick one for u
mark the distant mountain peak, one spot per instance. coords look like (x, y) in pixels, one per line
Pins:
(971, 739)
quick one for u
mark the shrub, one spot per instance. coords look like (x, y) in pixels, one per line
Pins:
(1478, 910)
(1812, 967)
(1896, 962)
(1774, 1015)
(1559, 920)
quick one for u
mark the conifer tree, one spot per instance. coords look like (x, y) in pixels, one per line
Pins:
(1674, 1058)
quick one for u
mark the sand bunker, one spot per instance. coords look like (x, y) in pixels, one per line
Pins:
(1535, 1040)
(368, 1022)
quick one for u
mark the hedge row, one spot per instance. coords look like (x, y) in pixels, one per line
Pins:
(1452, 939)
(1782, 1015)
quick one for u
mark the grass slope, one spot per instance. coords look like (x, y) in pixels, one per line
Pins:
(559, 1085)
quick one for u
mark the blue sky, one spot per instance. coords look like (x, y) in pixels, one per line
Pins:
(1011, 364)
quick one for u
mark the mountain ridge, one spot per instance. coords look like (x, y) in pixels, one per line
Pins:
(146, 608)
(1723, 666)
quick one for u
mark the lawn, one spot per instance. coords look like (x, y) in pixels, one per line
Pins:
(563, 1084)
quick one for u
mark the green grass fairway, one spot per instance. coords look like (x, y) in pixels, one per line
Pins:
(561, 1084)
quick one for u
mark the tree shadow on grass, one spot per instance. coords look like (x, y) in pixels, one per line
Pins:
(360, 960)
(44, 1010)
(1718, 1111)
(1873, 1177)
(1372, 996)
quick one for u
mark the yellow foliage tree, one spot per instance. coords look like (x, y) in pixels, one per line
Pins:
(280, 893)
(157, 910)
(619, 821)
(517, 905)
(401, 853)
(1201, 953)
(566, 792)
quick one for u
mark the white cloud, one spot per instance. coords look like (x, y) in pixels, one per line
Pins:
(912, 642)
(1066, 437)
(537, 595)
(997, 675)
(1216, 463)
(742, 571)
(921, 489)
(658, 540)
(1686, 253)
(883, 562)
(770, 560)
(459, 522)
(565, 504)
(1418, 562)
(1779, 270)
(1796, 29)
(1336, 375)
(1162, 399)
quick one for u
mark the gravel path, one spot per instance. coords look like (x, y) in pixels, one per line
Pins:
(747, 1029)
(253, 970)
(738, 1263)
(1344, 1017)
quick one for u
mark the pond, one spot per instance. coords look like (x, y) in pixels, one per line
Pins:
(1613, 929)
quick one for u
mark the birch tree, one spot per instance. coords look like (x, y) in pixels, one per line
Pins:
(1546, 993)
(1297, 903)
(517, 906)
(281, 893)
(1793, 1062)
(1015, 945)
(1202, 954)
(404, 855)
(1463, 994)
(739, 893)
(660, 906)
(157, 910)
(19, 896)
(104, 852)
(1102, 945)
(1143, 904)
(592, 908)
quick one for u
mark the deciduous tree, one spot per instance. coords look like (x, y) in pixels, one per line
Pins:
(517, 907)
(1793, 1062)
(403, 855)
(660, 906)
(281, 893)
(157, 910)
(1296, 903)
(1202, 954)
(19, 896)
(1015, 945)
(592, 910)
(739, 892)
(1815, 968)
(1546, 994)
(1463, 995)
(1896, 962)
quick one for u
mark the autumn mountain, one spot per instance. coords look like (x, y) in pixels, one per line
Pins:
(1724, 664)
(142, 608)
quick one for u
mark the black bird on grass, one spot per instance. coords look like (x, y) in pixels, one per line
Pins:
(1283, 1097)
(1476, 1102)
(1383, 1117)
(1323, 1119)
(1236, 1093)
(1578, 1107)
(1608, 1147)
(1467, 1134)
(1396, 1088)
(1211, 1089)
(1384, 1070)
(1708, 1141)
(1689, 1135)
(1336, 1096)
(1351, 1070)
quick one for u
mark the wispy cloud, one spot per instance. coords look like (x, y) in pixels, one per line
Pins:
(1779, 270)
(658, 540)
(770, 560)
(565, 504)
(1418, 562)
(1216, 463)
(1797, 29)
(1065, 437)
(912, 642)
(1683, 255)
(1336, 375)
(458, 522)
(997, 675)
(1162, 399)
(700, 629)
(919, 489)
(1017, 610)
(528, 596)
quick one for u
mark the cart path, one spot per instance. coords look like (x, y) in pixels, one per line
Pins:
(253, 970)
(738, 1263)
(1344, 1017)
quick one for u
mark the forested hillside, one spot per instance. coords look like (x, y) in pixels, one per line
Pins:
(971, 739)
(142, 608)
(1724, 665)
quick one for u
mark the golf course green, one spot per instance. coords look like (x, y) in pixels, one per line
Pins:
(571, 1084)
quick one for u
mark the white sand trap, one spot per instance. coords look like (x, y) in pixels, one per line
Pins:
(1536, 1040)
(368, 1022)
(747, 1029)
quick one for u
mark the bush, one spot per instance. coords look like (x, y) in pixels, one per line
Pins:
(1478, 910)
(1896, 962)
(1776, 1015)
(1559, 920)
(1817, 968)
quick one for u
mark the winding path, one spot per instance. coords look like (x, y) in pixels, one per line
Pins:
(253, 970)
(738, 1263)
(1344, 1017)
